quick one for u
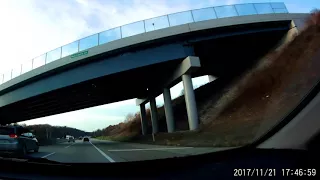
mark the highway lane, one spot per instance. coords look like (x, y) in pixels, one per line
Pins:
(101, 151)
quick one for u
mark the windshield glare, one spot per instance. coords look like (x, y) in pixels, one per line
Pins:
(144, 101)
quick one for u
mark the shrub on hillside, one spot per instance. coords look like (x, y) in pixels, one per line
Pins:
(314, 18)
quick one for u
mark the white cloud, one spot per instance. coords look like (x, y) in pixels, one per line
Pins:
(31, 28)
(82, 119)
(130, 102)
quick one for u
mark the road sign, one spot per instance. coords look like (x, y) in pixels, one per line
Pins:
(79, 54)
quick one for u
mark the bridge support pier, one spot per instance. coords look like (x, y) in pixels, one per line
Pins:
(143, 117)
(168, 109)
(154, 115)
(190, 102)
(189, 65)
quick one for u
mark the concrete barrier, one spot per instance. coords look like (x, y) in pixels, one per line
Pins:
(45, 142)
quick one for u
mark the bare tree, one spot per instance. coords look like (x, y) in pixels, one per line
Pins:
(129, 117)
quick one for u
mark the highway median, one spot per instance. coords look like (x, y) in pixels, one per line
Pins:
(46, 142)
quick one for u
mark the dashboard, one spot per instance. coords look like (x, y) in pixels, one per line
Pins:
(240, 162)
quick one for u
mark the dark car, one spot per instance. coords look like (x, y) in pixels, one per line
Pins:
(17, 140)
(85, 139)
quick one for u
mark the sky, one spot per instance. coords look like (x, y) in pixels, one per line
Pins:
(32, 27)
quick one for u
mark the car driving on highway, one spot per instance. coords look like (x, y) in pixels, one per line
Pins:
(71, 139)
(85, 139)
(17, 140)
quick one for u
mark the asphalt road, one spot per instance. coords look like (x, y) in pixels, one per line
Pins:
(99, 151)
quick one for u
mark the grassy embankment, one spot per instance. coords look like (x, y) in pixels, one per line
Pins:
(235, 112)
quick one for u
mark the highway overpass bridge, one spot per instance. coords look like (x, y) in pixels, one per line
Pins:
(146, 58)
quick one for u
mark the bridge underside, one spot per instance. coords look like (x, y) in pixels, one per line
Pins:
(220, 56)
(108, 89)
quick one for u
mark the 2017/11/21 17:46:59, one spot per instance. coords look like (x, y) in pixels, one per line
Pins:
(269, 172)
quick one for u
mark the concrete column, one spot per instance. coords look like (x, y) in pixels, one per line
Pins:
(143, 117)
(190, 102)
(289, 36)
(154, 115)
(211, 78)
(168, 109)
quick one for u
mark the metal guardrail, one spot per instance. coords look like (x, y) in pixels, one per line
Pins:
(143, 26)
(44, 142)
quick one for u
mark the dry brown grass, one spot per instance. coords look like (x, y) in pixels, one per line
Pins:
(267, 93)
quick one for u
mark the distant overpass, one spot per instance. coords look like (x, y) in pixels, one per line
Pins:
(145, 58)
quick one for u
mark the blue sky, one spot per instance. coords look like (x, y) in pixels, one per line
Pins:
(33, 27)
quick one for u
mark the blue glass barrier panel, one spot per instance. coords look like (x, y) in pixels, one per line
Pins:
(226, 11)
(280, 10)
(132, 29)
(109, 35)
(26, 66)
(88, 42)
(53, 55)
(7, 76)
(278, 5)
(263, 8)
(70, 48)
(180, 18)
(156, 23)
(245, 9)
(203, 14)
(39, 61)
(16, 72)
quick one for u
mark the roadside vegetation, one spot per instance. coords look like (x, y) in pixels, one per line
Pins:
(236, 111)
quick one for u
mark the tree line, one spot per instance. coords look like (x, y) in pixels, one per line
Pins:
(46, 131)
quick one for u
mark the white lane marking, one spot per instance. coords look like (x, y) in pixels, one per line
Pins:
(69, 145)
(48, 155)
(103, 154)
(150, 149)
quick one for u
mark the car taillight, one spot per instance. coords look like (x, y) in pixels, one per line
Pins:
(13, 136)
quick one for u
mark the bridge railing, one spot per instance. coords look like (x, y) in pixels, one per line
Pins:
(144, 26)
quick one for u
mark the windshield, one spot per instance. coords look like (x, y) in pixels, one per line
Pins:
(143, 90)
(6, 130)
